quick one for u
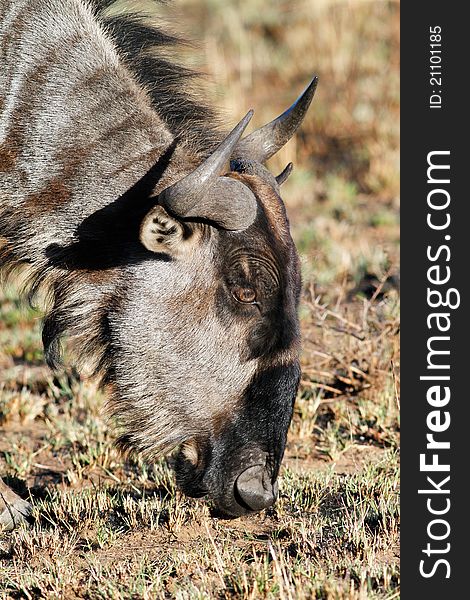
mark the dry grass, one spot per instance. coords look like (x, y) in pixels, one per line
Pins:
(106, 527)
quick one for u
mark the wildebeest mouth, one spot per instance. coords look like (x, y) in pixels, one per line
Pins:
(248, 490)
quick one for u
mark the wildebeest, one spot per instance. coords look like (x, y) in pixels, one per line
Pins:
(176, 281)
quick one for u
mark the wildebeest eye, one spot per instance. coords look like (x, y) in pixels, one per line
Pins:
(245, 295)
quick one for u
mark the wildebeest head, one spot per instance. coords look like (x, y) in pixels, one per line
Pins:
(206, 339)
(179, 286)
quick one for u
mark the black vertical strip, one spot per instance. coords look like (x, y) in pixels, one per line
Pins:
(434, 546)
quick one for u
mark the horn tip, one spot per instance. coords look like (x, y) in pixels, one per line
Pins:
(240, 128)
(249, 115)
(285, 173)
(312, 86)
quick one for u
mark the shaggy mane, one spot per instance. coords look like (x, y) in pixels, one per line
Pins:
(144, 49)
(170, 85)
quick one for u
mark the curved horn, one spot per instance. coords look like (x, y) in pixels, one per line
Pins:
(202, 192)
(284, 174)
(267, 140)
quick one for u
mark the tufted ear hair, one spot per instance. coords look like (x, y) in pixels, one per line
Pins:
(160, 232)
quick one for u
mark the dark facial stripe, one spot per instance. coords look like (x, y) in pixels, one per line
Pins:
(261, 425)
(268, 408)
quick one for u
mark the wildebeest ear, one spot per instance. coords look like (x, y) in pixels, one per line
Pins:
(160, 232)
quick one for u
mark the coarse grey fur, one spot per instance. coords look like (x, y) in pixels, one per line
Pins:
(92, 133)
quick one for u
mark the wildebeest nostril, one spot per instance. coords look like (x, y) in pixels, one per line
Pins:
(255, 489)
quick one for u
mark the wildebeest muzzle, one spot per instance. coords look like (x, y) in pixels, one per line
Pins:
(250, 488)
(238, 468)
